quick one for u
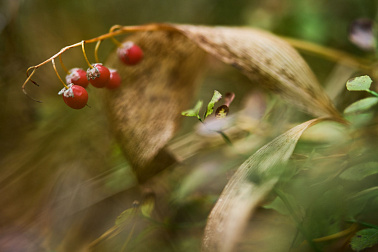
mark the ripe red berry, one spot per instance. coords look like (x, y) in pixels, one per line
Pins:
(75, 96)
(77, 76)
(114, 80)
(130, 53)
(99, 75)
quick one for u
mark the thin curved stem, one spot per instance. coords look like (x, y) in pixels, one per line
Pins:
(123, 29)
(342, 233)
(85, 55)
(114, 40)
(29, 76)
(118, 30)
(96, 51)
(29, 79)
(330, 54)
(61, 63)
(57, 74)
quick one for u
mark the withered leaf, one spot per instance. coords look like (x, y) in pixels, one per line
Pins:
(244, 192)
(146, 111)
(267, 60)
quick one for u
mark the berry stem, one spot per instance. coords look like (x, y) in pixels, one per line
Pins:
(114, 40)
(119, 30)
(27, 80)
(29, 76)
(61, 63)
(85, 55)
(57, 74)
(96, 51)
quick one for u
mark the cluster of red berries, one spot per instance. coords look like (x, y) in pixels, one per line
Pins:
(99, 76)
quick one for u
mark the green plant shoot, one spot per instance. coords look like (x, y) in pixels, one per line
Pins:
(210, 107)
(194, 111)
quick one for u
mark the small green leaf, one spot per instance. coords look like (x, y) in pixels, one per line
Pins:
(194, 111)
(365, 238)
(147, 207)
(361, 83)
(361, 171)
(216, 97)
(361, 105)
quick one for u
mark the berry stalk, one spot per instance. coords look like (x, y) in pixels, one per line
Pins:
(57, 74)
(115, 30)
(85, 55)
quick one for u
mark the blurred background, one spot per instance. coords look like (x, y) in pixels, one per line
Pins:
(38, 139)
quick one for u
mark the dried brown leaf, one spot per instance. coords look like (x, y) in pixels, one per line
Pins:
(145, 111)
(267, 60)
(243, 193)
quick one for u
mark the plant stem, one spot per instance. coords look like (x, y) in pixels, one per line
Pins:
(286, 202)
(372, 92)
(85, 55)
(112, 29)
(57, 74)
(128, 237)
(363, 224)
(330, 54)
(225, 138)
(96, 51)
(337, 235)
(61, 63)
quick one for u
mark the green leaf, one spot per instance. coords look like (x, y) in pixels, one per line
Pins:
(194, 111)
(216, 97)
(361, 83)
(358, 201)
(361, 105)
(365, 238)
(147, 207)
(361, 171)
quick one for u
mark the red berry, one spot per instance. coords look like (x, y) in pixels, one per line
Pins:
(99, 75)
(75, 96)
(130, 53)
(115, 79)
(77, 76)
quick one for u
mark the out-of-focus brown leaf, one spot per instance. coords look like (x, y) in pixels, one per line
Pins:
(253, 180)
(146, 110)
(267, 60)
